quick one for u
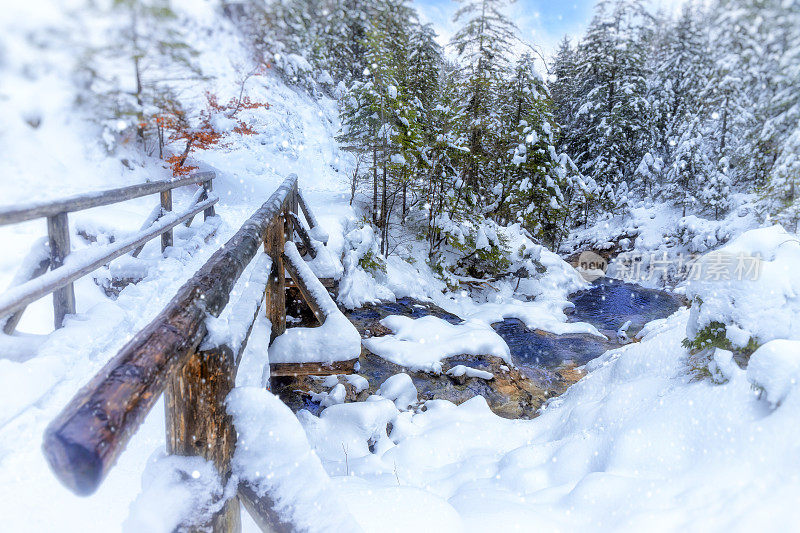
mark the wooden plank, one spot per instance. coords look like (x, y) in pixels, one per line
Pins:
(312, 369)
(22, 295)
(36, 263)
(199, 196)
(315, 306)
(151, 219)
(166, 207)
(197, 423)
(83, 442)
(310, 218)
(12, 321)
(58, 240)
(303, 234)
(21, 213)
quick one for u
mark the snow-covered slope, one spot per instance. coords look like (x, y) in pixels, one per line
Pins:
(637, 444)
(65, 155)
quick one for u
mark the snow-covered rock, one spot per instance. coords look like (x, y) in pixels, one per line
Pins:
(774, 368)
(422, 343)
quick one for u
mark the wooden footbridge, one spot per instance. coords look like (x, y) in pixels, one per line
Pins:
(84, 441)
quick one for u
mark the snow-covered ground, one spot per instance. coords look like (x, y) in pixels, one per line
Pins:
(641, 442)
(63, 156)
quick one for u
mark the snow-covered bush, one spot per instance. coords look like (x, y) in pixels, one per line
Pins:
(364, 269)
(745, 294)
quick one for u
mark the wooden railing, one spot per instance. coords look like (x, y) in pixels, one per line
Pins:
(83, 442)
(35, 282)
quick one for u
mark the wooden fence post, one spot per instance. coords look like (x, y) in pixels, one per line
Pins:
(166, 205)
(208, 186)
(198, 424)
(58, 239)
(276, 286)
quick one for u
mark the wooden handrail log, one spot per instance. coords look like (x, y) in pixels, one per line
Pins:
(314, 293)
(262, 510)
(303, 234)
(83, 442)
(79, 202)
(310, 218)
(77, 267)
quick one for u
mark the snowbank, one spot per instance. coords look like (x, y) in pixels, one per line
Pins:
(636, 444)
(176, 490)
(775, 369)
(274, 458)
(751, 286)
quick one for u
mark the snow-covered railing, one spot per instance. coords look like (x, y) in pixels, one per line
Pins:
(35, 282)
(178, 355)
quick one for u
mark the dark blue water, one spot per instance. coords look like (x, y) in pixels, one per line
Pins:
(608, 304)
(537, 349)
(403, 306)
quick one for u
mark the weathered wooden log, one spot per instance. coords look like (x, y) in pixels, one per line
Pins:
(328, 283)
(304, 236)
(58, 240)
(20, 296)
(278, 370)
(262, 510)
(166, 207)
(83, 442)
(276, 287)
(208, 186)
(21, 213)
(151, 219)
(312, 220)
(197, 423)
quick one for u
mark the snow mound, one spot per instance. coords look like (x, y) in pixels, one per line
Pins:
(400, 389)
(775, 369)
(176, 490)
(422, 343)
(274, 457)
(635, 435)
(751, 284)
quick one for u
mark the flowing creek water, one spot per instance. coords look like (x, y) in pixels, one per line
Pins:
(545, 363)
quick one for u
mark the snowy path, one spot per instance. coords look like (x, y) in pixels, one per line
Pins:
(34, 390)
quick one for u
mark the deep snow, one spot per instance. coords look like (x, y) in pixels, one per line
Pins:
(639, 443)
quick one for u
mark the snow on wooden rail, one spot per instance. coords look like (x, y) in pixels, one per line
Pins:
(79, 202)
(65, 268)
(78, 265)
(196, 368)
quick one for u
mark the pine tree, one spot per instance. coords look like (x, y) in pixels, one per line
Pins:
(680, 73)
(533, 176)
(779, 138)
(613, 118)
(483, 44)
